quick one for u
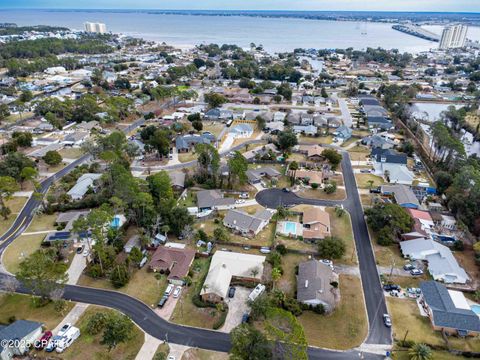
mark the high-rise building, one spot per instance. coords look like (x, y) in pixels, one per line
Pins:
(453, 36)
(98, 28)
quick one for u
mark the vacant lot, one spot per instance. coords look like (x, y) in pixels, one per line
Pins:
(200, 354)
(320, 194)
(386, 255)
(302, 139)
(214, 127)
(288, 281)
(21, 307)
(90, 347)
(346, 327)
(358, 153)
(406, 317)
(143, 285)
(342, 229)
(368, 181)
(71, 153)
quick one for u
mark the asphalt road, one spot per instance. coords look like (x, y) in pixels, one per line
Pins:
(372, 289)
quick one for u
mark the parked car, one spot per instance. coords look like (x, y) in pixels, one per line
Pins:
(80, 249)
(52, 344)
(243, 196)
(43, 341)
(365, 171)
(395, 293)
(416, 272)
(265, 250)
(171, 357)
(64, 329)
(329, 263)
(85, 252)
(286, 190)
(246, 247)
(177, 291)
(169, 289)
(387, 321)
(390, 287)
(245, 318)
(70, 336)
(162, 301)
(408, 267)
(231, 292)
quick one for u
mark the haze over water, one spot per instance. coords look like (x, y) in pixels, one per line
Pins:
(276, 34)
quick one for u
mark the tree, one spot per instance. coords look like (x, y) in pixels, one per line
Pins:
(238, 167)
(178, 219)
(28, 174)
(220, 235)
(443, 180)
(286, 140)
(41, 273)
(118, 329)
(4, 112)
(8, 186)
(331, 248)
(120, 276)
(392, 217)
(276, 275)
(13, 164)
(214, 100)
(197, 125)
(208, 161)
(22, 139)
(324, 93)
(260, 122)
(249, 343)
(420, 352)
(135, 255)
(333, 157)
(293, 167)
(52, 158)
(160, 186)
(330, 187)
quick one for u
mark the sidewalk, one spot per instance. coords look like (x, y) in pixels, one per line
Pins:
(73, 316)
(149, 347)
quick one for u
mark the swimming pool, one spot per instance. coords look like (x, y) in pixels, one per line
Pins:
(475, 309)
(290, 227)
(115, 224)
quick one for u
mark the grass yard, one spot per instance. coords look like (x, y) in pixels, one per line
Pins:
(386, 255)
(89, 346)
(42, 222)
(406, 281)
(350, 141)
(356, 154)
(22, 308)
(297, 157)
(214, 127)
(342, 228)
(406, 316)
(19, 249)
(340, 194)
(288, 281)
(186, 312)
(347, 326)
(71, 153)
(437, 355)
(201, 354)
(368, 199)
(190, 200)
(15, 204)
(143, 285)
(302, 139)
(186, 157)
(363, 181)
(162, 348)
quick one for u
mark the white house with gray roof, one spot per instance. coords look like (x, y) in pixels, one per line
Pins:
(16, 337)
(84, 183)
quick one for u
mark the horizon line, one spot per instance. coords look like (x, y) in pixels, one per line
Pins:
(245, 10)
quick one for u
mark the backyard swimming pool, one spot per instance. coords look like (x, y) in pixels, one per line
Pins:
(290, 227)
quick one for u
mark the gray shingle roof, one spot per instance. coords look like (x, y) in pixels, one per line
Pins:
(444, 311)
(18, 330)
(389, 156)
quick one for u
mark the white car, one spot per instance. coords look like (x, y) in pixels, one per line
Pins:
(329, 263)
(169, 289)
(177, 291)
(85, 252)
(64, 329)
(171, 357)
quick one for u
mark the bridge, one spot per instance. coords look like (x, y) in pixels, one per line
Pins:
(417, 31)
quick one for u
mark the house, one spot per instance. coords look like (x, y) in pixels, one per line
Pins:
(212, 199)
(314, 287)
(388, 156)
(76, 139)
(173, 262)
(313, 152)
(269, 150)
(133, 242)
(84, 183)
(219, 114)
(305, 129)
(308, 176)
(448, 222)
(343, 133)
(275, 127)
(448, 310)
(68, 218)
(442, 265)
(246, 224)
(185, 143)
(377, 141)
(255, 175)
(227, 266)
(379, 122)
(423, 222)
(316, 223)
(88, 126)
(241, 131)
(391, 165)
(402, 194)
(177, 179)
(16, 338)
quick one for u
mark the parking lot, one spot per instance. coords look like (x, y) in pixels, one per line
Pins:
(237, 306)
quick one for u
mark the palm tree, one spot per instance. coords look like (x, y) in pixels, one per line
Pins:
(370, 184)
(254, 272)
(420, 352)
(293, 167)
(276, 275)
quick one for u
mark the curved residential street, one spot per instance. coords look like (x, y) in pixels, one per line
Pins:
(152, 324)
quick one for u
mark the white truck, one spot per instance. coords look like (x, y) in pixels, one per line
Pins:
(68, 338)
(259, 289)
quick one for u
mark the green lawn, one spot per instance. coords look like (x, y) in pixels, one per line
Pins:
(90, 347)
(22, 308)
(201, 354)
(71, 153)
(19, 249)
(15, 204)
(406, 317)
(347, 326)
(186, 157)
(342, 228)
(143, 285)
(288, 281)
(42, 222)
(363, 181)
(309, 193)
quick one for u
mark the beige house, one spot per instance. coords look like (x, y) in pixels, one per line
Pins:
(316, 224)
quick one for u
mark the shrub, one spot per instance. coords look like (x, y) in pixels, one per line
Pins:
(319, 309)
(385, 237)
(120, 276)
(96, 323)
(314, 186)
(221, 320)
(292, 305)
(458, 245)
(281, 249)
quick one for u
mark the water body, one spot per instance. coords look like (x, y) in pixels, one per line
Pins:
(275, 34)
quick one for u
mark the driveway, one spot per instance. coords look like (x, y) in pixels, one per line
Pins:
(72, 317)
(79, 263)
(237, 306)
(167, 310)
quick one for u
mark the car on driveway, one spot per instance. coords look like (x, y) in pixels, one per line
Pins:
(387, 321)
(286, 190)
(52, 344)
(390, 287)
(177, 291)
(416, 272)
(64, 329)
(329, 263)
(245, 318)
(169, 290)
(80, 249)
(231, 292)
(162, 301)
(43, 341)
(408, 267)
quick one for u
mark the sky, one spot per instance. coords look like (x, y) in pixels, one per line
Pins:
(351, 5)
